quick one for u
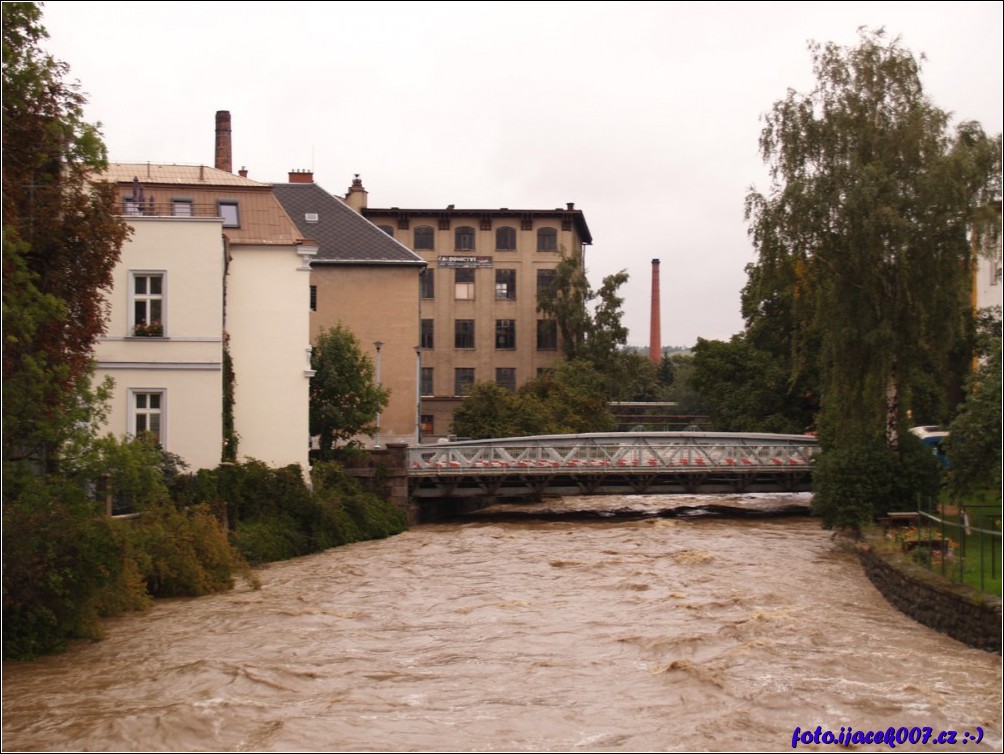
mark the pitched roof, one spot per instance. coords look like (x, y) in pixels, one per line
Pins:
(262, 219)
(182, 175)
(343, 236)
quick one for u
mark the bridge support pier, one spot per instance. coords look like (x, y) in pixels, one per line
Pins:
(386, 474)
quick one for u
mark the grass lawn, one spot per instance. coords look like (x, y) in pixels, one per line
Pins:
(965, 546)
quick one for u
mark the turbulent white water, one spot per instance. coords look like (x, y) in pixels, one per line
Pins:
(654, 634)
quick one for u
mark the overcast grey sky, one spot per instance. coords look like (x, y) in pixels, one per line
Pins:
(646, 115)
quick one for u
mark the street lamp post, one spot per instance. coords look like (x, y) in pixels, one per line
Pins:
(418, 395)
(378, 345)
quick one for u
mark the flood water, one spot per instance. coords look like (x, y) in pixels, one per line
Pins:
(689, 633)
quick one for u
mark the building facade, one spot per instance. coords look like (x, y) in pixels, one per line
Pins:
(213, 264)
(988, 287)
(368, 282)
(478, 318)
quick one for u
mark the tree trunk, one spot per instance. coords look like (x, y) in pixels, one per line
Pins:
(892, 411)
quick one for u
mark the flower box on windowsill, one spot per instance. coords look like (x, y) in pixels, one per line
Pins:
(153, 330)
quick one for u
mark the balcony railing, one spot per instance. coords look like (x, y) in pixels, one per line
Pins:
(168, 208)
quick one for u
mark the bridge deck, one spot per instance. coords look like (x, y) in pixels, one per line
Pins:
(612, 463)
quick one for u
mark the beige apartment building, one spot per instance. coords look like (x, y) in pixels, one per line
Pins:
(478, 319)
(213, 262)
(368, 282)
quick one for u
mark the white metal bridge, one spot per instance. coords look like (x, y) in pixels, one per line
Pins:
(612, 463)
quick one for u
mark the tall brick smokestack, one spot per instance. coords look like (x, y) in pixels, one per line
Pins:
(224, 149)
(655, 327)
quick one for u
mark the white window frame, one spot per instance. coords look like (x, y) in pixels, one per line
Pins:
(135, 412)
(135, 298)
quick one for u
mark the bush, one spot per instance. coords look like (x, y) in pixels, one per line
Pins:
(66, 564)
(853, 485)
(369, 515)
(185, 553)
(263, 540)
(60, 559)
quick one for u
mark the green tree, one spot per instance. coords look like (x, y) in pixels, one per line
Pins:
(61, 241)
(345, 400)
(862, 239)
(565, 300)
(746, 389)
(492, 411)
(974, 442)
(567, 400)
(596, 335)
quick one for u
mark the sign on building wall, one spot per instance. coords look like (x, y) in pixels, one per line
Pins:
(454, 261)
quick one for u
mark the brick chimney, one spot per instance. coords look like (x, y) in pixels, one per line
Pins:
(655, 327)
(357, 195)
(301, 176)
(224, 148)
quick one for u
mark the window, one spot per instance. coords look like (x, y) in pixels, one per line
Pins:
(427, 336)
(545, 279)
(464, 284)
(425, 237)
(426, 388)
(311, 217)
(427, 426)
(230, 214)
(148, 304)
(427, 283)
(505, 239)
(132, 206)
(465, 238)
(463, 333)
(181, 207)
(388, 229)
(505, 377)
(147, 413)
(505, 284)
(313, 298)
(463, 380)
(547, 335)
(547, 239)
(505, 333)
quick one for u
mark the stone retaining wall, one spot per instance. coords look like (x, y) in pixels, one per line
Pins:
(953, 609)
(384, 471)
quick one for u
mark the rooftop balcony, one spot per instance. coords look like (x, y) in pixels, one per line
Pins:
(151, 207)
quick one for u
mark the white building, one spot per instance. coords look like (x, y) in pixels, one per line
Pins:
(213, 258)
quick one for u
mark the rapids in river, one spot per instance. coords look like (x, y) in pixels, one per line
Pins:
(635, 631)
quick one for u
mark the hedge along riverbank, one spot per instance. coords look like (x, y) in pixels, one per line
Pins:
(67, 565)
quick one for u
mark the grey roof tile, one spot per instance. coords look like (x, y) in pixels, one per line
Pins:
(343, 236)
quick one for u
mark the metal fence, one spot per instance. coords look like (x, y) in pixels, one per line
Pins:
(961, 543)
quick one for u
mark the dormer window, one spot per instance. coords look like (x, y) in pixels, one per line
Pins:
(231, 215)
(181, 207)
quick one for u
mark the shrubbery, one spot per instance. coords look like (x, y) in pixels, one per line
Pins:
(853, 485)
(66, 564)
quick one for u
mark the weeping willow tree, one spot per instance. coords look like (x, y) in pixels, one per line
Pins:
(864, 235)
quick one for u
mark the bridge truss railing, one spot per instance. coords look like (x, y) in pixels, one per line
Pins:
(679, 451)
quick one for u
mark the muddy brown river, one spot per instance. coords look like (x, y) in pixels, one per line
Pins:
(689, 633)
